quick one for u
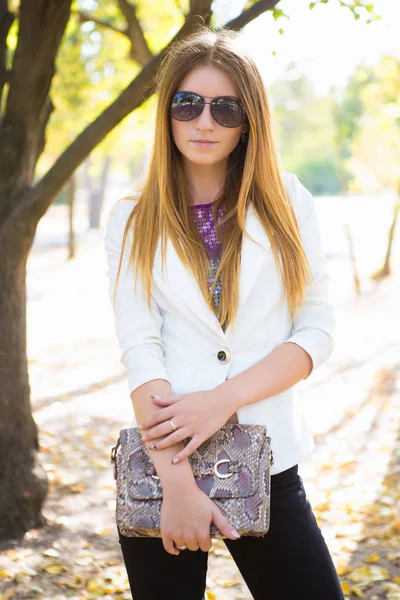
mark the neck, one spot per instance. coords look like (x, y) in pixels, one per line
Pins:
(205, 181)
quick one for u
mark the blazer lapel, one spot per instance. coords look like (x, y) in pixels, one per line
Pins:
(182, 282)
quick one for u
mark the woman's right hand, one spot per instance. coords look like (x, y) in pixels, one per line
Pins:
(186, 519)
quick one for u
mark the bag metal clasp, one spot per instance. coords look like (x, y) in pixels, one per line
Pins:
(222, 475)
(114, 451)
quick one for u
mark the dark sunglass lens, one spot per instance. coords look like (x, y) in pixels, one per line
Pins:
(228, 112)
(185, 106)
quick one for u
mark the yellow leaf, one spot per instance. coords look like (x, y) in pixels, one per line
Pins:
(71, 585)
(323, 506)
(102, 531)
(372, 559)
(396, 580)
(357, 592)
(392, 591)
(211, 596)
(96, 587)
(395, 527)
(54, 569)
(364, 575)
(343, 570)
(346, 588)
(76, 488)
(4, 573)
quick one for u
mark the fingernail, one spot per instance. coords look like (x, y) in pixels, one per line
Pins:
(176, 460)
(152, 447)
(235, 533)
(156, 397)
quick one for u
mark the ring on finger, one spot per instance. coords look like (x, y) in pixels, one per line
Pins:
(184, 547)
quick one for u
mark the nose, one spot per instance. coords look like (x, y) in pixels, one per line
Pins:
(205, 119)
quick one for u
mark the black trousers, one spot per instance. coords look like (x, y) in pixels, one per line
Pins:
(291, 562)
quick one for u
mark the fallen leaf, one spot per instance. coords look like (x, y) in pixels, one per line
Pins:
(343, 570)
(372, 559)
(365, 575)
(5, 573)
(51, 552)
(95, 586)
(392, 591)
(346, 588)
(54, 569)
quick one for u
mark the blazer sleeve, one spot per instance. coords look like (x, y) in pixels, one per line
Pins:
(138, 329)
(314, 323)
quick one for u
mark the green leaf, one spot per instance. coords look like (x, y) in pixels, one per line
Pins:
(277, 13)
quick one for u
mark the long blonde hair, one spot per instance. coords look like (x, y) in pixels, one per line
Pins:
(253, 176)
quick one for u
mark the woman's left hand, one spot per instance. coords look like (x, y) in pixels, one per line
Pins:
(197, 415)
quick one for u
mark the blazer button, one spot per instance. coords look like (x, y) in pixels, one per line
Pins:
(222, 356)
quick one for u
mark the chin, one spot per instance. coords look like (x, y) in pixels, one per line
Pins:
(202, 160)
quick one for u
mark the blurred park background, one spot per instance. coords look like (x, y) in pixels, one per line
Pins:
(332, 69)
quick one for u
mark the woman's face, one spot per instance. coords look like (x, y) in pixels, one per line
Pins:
(209, 81)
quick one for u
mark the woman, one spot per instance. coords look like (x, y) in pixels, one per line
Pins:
(220, 301)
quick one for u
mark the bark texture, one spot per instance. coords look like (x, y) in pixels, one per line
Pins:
(23, 482)
(22, 132)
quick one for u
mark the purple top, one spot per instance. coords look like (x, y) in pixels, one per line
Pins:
(202, 215)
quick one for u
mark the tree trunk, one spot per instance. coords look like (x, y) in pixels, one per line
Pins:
(23, 482)
(385, 270)
(97, 195)
(386, 265)
(71, 206)
(356, 278)
(87, 181)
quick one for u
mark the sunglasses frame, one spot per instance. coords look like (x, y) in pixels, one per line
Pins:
(212, 104)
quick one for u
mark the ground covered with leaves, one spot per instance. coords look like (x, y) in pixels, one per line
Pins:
(80, 401)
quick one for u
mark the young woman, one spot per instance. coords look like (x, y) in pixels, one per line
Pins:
(219, 286)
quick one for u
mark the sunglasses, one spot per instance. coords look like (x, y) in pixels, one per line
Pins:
(226, 110)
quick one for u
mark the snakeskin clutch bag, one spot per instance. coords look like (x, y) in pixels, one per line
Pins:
(232, 467)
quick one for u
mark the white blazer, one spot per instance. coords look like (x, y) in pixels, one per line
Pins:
(181, 339)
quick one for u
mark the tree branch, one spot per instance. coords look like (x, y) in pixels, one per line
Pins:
(86, 17)
(140, 50)
(27, 102)
(42, 195)
(251, 13)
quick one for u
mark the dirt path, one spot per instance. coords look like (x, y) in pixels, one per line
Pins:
(80, 401)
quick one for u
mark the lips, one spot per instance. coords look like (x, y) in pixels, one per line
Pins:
(203, 143)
